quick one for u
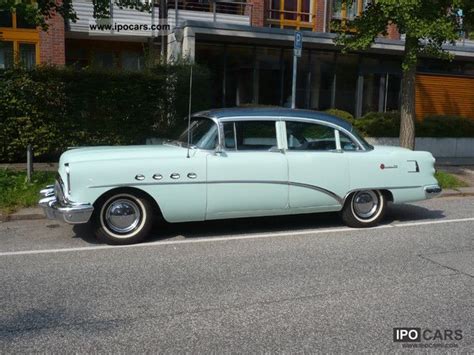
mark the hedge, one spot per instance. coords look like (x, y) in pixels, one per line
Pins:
(53, 109)
(387, 124)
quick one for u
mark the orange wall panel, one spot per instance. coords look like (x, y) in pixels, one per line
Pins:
(444, 95)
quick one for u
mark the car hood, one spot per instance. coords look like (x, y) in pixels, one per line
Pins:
(121, 153)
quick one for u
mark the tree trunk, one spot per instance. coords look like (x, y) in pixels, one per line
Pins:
(407, 117)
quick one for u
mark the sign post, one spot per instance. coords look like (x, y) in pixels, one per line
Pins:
(296, 54)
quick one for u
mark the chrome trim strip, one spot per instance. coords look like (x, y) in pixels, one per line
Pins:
(289, 183)
(339, 199)
(380, 188)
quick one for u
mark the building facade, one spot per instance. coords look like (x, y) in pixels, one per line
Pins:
(248, 47)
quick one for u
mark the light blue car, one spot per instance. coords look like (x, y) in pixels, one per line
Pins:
(238, 163)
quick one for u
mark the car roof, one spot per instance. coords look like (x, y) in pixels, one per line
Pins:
(274, 111)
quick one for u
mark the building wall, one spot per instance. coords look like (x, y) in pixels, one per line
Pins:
(52, 43)
(258, 12)
(444, 95)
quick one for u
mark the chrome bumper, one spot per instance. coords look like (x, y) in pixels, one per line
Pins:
(69, 212)
(432, 191)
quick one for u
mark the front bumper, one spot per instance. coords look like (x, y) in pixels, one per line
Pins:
(69, 212)
(432, 191)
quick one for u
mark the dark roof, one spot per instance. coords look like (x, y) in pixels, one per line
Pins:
(275, 111)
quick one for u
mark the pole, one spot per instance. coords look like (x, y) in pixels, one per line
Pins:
(189, 108)
(293, 86)
(29, 162)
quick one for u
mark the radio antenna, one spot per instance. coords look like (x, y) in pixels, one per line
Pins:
(189, 107)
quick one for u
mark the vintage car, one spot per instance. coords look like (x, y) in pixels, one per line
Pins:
(230, 163)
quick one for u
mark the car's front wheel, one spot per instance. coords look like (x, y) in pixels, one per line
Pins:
(364, 208)
(122, 218)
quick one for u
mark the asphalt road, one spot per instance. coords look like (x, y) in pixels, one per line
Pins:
(286, 284)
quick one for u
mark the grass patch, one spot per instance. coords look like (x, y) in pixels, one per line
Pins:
(16, 192)
(449, 181)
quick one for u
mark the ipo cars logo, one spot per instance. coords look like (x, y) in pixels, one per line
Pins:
(416, 335)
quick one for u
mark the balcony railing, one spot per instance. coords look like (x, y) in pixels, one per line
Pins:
(179, 11)
(286, 18)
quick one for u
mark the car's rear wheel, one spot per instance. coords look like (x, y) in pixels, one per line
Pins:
(364, 208)
(123, 218)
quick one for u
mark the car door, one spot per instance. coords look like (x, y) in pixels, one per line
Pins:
(249, 177)
(318, 169)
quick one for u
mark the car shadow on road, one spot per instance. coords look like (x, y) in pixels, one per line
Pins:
(273, 224)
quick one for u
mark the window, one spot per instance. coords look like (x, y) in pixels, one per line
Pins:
(250, 135)
(6, 55)
(20, 40)
(203, 134)
(347, 9)
(309, 136)
(27, 55)
(6, 18)
(293, 13)
(347, 144)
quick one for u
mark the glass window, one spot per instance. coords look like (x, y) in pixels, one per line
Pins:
(250, 135)
(6, 55)
(131, 60)
(22, 20)
(347, 144)
(27, 55)
(104, 59)
(203, 134)
(347, 69)
(6, 18)
(309, 136)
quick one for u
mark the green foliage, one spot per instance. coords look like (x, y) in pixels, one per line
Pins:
(449, 181)
(427, 25)
(16, 192)
(39, 11)
(341, 114)
(378, 124)
(53, 109)
(446, 126)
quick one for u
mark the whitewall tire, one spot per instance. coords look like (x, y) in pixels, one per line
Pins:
(364, 208)
(122, 218)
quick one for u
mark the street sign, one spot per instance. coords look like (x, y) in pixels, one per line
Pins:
(298, 46)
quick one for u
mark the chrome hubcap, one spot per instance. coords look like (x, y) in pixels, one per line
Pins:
(365, 204)
(122, 216)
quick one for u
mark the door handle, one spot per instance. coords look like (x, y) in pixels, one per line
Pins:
(175, 176)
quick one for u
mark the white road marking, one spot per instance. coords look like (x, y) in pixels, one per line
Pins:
(235, 237)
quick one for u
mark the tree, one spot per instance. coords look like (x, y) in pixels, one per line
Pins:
(426, 24)
(38, 12)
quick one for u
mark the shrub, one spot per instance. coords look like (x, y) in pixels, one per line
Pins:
(341, 114)
(53, 109)
(445, 126)
(379, 124)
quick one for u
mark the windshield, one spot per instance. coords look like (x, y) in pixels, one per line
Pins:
(203, 134)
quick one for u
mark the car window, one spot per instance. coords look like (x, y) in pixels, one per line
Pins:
(250, 135)
(347, 144)
(310, 136)
(203, 134)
